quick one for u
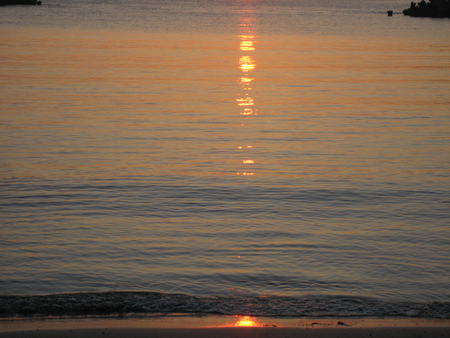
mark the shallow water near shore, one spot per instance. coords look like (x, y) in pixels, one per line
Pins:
(214, 149)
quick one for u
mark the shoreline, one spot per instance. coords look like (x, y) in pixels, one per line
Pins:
(180, 325)
(129, 304)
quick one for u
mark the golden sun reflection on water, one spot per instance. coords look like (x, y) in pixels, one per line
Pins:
(247, 64)
(247, 101)
(246, 81)
(247, 42)
(247, 112)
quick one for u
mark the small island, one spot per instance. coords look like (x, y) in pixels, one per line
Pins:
(431, 9)
(19, 2)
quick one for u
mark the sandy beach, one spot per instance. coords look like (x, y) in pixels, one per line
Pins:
(225, 326)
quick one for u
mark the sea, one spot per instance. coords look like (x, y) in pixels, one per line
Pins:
(259, 157)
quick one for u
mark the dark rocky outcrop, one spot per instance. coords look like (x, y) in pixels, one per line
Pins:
(431, 9)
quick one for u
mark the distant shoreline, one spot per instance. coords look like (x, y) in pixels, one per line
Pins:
(432, 9)
(19, 2)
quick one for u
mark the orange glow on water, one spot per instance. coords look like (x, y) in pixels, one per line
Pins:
(247, 45)
(246, 63)
(246, 23)
(247, 111)
(248, 101)
(247, 37)
(246, 80)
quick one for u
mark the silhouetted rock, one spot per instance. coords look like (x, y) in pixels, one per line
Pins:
(431, 9)
(19, 2)
(390, 13)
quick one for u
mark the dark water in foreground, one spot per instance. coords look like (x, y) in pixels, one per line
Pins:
(141, 303)
(268, 158)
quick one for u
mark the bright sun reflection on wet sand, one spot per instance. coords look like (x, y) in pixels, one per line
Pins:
(246, 321)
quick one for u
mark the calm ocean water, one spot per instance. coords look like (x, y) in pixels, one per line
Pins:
(295, 151)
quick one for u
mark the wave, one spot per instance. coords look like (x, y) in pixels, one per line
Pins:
(129, 303)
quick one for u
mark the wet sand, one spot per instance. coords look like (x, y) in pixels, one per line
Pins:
(224, 326)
